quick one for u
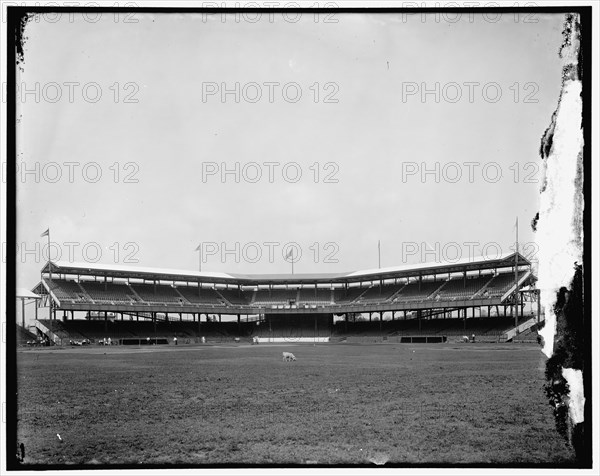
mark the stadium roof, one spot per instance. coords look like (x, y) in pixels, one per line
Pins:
(504, 260)
(27, 294)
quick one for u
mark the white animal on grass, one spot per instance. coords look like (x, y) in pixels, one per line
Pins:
(287, 356)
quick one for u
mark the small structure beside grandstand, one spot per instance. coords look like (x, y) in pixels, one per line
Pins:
(431, 302)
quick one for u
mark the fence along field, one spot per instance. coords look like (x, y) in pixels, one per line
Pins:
(338, 403)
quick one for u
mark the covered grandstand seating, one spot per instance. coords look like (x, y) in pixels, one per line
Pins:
(95, 331)
(430, 291)
(485, 329)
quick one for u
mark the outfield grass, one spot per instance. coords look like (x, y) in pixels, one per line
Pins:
(337, 404)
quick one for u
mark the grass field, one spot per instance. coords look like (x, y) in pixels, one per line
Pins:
(337, 404)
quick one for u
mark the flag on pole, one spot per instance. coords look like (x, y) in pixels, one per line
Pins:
(290, 254)
(47, 233)
(198, 249)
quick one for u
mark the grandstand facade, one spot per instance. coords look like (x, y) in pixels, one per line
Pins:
(286, 304)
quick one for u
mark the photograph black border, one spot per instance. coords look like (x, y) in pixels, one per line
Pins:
(16, 38)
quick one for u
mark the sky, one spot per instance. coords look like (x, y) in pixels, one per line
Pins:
(419, 132)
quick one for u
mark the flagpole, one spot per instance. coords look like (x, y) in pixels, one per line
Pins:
(199, 258)
(51, 336)
(292, 263)
(49, 260)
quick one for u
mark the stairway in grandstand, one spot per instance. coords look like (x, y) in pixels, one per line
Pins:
(520, 329)
(485, 286)
(84, 292)
(43, 326)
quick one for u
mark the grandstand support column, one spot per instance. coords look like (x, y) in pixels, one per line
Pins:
(154, 322)
(465, 318)
(52, 313)
(239, 322)
(370, 316)
(180, 317)
(538, 293)
(419, 315)
(23, 312)
(105, 322)
(37, 305)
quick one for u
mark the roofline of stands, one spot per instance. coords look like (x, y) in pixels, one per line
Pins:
(506, 260)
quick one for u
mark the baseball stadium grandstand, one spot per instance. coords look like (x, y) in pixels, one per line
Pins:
(492, 299)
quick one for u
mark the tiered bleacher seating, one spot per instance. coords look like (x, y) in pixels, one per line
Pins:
(320, 296)
(459, 288)
(411, 291)
(201, 296)
(234, 296)
(275, 296)
(108, 292)
(158, 293)
(346, 296)
(383, 293)
(66, 290)
(501, 284)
